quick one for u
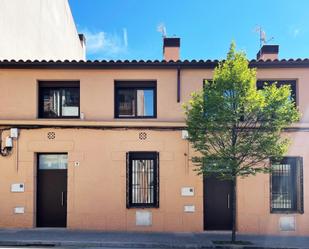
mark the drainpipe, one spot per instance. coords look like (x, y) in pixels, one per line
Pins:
(178, 84)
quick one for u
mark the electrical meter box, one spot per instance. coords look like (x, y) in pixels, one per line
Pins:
(14, 133)
(184, 134)
(8, 142)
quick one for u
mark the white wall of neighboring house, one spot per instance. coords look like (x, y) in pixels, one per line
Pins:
(38, 30)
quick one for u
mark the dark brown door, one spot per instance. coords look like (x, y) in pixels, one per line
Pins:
(217, 204)
(52, 190)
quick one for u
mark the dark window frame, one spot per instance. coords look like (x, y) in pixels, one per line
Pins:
(298, 185)
(143, 155)
(56, 85)
(135, 85)
(260, 83)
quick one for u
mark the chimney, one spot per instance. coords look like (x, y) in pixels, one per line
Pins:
(268, 52)
(171, 49)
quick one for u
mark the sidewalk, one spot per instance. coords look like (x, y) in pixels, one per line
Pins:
(63, 237)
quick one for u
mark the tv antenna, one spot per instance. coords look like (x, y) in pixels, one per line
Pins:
(162, 29)
(262, 34)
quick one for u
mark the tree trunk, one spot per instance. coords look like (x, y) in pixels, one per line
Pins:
(234, 209)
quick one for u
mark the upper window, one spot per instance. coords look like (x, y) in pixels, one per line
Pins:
(260, 84)
(287, 185)
(142, 179)
(135, 99)
(59, 99)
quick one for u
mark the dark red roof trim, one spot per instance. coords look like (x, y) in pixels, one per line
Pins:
(156, 64)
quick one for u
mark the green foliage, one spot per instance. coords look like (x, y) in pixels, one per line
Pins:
(235, 127)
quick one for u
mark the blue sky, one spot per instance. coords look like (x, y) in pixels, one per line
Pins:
(127, 29)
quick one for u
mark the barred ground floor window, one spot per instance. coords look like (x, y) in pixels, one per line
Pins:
(142, 179)
(287, 185)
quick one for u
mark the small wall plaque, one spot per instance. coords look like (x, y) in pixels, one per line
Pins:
(189, 208)
(19, 210)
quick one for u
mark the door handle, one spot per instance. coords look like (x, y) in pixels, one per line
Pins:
(62, 199)
(228, 200)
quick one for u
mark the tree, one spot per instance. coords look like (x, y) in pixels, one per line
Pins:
(236, 128)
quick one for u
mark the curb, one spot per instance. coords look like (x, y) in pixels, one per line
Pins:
(103, 244)
(35, 243)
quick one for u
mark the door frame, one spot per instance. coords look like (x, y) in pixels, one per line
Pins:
(36, 183)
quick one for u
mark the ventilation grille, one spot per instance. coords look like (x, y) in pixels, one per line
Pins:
(142, 135)
(51, 135)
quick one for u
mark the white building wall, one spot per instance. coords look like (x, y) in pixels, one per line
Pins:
(38, 30)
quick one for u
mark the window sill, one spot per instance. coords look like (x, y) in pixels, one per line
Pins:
(143, 207)
(58, 118)
(287, 212)
(153, 117)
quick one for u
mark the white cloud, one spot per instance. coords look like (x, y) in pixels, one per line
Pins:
(103, 45)
(125, 37)
(296, 32)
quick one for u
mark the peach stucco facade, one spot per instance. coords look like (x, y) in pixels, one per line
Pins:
(97, 187)
(99, 143)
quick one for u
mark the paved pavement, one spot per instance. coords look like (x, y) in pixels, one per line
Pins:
(68, 247)
(68, 238)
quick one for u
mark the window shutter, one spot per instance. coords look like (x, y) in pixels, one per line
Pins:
(300, 185)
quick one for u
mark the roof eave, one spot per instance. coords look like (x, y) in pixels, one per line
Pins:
(201, 64)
